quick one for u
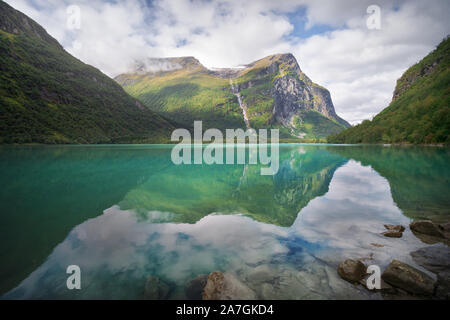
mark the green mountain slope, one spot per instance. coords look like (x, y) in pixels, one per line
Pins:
(269, 93)
(420, 109)
(48, 96)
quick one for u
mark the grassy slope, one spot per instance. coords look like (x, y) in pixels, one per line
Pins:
(188, 95)
(420, 114)
(196, 94)
(48, 96)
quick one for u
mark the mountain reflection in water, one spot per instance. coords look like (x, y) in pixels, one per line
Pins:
(282, 235)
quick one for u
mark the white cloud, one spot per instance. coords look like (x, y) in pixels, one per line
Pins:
(358, 66)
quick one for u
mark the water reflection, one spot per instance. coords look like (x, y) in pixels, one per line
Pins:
(191, 192)
(135, 214)
(419, 177)
(117, 250)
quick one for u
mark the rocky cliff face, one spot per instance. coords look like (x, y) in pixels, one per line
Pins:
(274, 91)
(293, 92)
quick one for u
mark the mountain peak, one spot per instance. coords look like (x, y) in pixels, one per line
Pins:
(157, 65)
(15, 22)
(287, 59)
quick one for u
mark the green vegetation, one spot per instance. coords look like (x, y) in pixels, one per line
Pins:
(418, 176)
(196, 93)
(188, 95)
(420, 110)
(193, 192)
(314, 124)
(48, 96)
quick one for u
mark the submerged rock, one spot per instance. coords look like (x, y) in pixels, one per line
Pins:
(352, 270)
(404, 276)
(427, 227)
(393, 231)
(195, 287)
(378, 245)
(445, 227)
(224, 286)
(384, 287)
(443, 285)
(155, 289)
(435, 258)
(395, 227)
(392, 234)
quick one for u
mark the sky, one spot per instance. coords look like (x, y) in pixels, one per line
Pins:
(355, 51)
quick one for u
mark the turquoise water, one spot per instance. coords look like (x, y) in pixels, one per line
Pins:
(125, 212)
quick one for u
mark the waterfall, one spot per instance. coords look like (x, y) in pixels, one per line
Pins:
(235, 91)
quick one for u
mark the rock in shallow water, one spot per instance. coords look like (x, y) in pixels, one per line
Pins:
(426, 227)
(445, 227)
(392, 234)
(195, 287)
(394, 227)
(403, 276)
(352, 270)
(443, 285)
(224, 286)
(435, 258)
(155, 289)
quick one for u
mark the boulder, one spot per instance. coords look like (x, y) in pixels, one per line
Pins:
(392, 234)
(224, 286)
(352, 270)
(426, 227)
(384, 287)
(195, 287)
(395, 227)
(435, 258)
(445, 227)
(155, 289)
(404, 276)
(443, 285)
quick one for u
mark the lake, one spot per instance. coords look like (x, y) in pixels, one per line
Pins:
(126, 212)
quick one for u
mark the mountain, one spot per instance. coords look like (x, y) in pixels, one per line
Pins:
(269, 93)
(48, 96)
(420, 109)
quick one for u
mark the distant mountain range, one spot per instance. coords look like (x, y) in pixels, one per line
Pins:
(420, 109)
(269, 93)
(48, 96)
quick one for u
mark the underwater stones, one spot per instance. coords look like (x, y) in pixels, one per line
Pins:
(261, 274)
(224, 286)
(435, 258)
(377, 245)
(155, 289)
(393, 231)
(443, 285)
(394, 227)
(427, 227)
(392, 234)
(445, 226)
(408, 278)
(195, 287)
(384, 287)
(352, 270)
